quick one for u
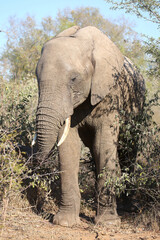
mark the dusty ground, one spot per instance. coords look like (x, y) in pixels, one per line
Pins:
(23, 224)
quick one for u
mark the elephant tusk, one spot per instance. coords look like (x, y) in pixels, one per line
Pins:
(34, 139)
(66, 131)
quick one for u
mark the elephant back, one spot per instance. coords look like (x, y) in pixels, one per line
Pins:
(131, 88)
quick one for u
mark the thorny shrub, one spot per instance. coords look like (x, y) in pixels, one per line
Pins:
(18, 171)
(18, 107)
(139, 146)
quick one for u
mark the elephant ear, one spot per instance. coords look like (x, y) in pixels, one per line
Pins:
(69, 32)
(107, 61)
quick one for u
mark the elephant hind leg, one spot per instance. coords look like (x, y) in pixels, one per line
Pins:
(107, 167)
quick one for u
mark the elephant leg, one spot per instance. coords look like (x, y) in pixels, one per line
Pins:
(107, 166)
(69, 156)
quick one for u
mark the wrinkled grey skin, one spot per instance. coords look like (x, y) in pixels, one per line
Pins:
(82, 74)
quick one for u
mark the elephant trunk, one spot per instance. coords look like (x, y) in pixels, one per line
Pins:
(52, 111)
(48, 123)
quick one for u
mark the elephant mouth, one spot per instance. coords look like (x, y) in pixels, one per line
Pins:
(66, 131)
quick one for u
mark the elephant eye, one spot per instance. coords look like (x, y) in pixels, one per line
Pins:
(73, 79)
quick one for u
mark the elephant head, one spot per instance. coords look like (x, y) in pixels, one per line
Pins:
(75, 65)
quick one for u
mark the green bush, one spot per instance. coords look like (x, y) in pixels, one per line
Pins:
(18, 170)
(18, 109)
(17, 123)
(140, 154)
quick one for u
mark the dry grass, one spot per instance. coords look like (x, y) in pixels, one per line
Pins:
(21, 223)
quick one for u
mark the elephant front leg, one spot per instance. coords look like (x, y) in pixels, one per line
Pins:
(69, 155)
(107, 169)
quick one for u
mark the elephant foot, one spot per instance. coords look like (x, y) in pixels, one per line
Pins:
(108, 219)
(66, 219)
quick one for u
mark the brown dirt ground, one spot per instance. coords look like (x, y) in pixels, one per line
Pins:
(22, 224)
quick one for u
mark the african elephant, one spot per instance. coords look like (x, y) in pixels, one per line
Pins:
(84, 80)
